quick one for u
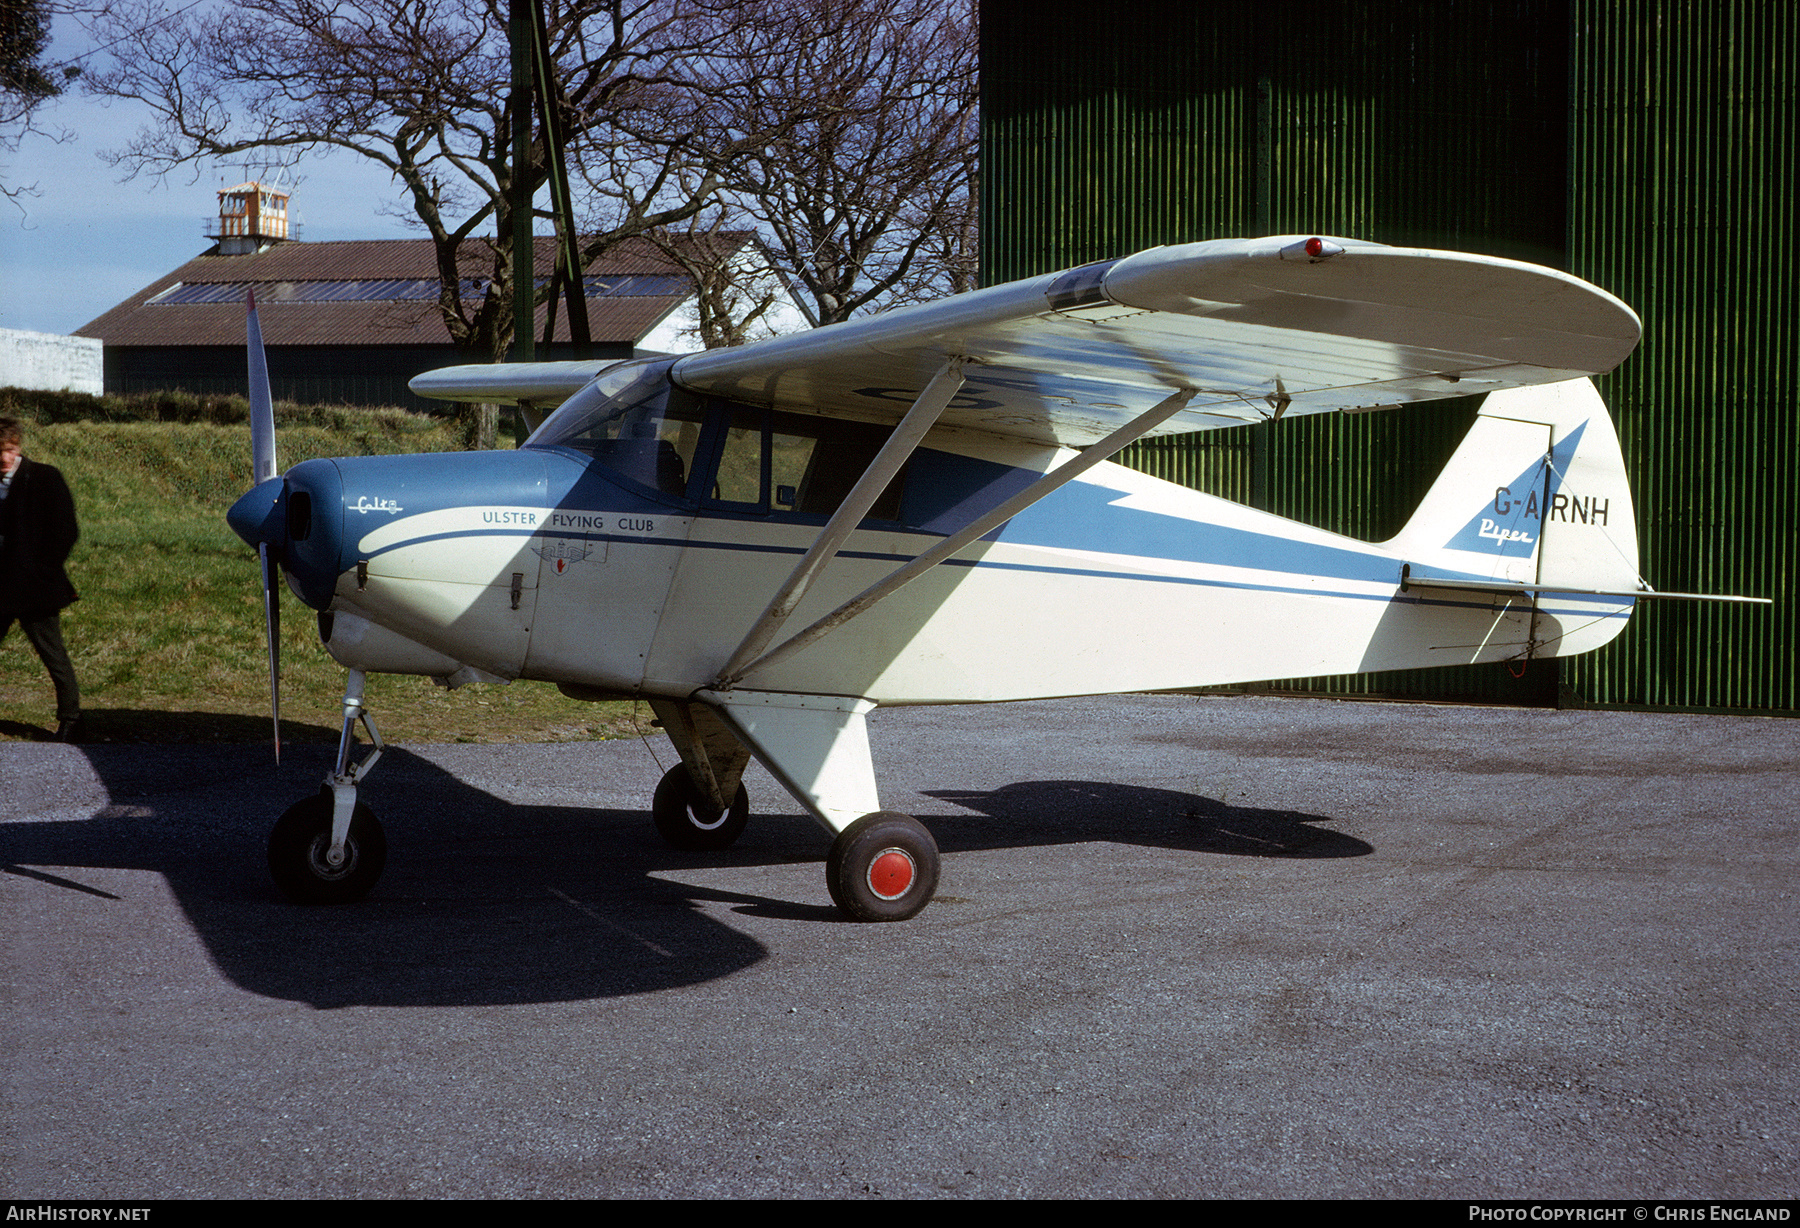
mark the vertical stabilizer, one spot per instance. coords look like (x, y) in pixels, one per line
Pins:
(1536, 494)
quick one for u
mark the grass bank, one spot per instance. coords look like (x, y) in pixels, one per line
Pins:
(167, 638)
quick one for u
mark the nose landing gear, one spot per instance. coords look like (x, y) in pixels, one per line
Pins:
(330, 849)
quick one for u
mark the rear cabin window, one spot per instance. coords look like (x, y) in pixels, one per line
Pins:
(797, 463)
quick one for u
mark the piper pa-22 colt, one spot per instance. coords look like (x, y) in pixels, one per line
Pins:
(766, 543)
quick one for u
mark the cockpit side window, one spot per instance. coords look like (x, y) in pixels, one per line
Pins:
(740, 480)
(632, 420)
(839, 451)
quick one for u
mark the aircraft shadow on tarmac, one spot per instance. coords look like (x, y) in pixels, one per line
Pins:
(1073, 811)
(486, 902)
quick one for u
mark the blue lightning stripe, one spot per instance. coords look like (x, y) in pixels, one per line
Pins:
(1515, 532)
(1081, 516)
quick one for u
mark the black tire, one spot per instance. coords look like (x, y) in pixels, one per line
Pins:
(298, 845)
(691, 823)
(883, 867)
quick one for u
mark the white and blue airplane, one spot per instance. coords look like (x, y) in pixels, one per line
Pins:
(767, 543)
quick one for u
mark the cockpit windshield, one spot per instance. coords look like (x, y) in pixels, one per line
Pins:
(635, 422)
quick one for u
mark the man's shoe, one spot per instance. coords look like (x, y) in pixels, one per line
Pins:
(69, 730)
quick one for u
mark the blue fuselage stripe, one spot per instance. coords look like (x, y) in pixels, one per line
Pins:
(1041, 568)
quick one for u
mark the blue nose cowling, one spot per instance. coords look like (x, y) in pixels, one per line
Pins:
(315, 518)
(279, 513)
(257, 516)
(313, 527)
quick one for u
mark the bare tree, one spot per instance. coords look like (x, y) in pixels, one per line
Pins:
(865, 195)
(421, 87)
(26, 82)
(737, 290)
(842, 131)
(949, 230)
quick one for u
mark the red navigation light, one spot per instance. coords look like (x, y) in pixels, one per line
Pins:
(1313, 250)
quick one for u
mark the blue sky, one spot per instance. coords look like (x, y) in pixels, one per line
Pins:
(87, 240)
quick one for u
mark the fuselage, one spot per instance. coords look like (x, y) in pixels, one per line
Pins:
(634, 562)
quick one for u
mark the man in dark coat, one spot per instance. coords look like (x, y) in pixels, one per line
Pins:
(37, 531)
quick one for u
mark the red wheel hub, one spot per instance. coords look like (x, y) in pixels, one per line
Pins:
(891, 873)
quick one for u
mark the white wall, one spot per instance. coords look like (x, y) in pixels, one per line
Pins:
(679, 331)
(49, 362)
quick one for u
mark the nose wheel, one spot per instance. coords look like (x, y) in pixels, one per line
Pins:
(300, 853)
(883, 867)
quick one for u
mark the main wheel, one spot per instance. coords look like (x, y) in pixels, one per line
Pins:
(300, 842)
(883, 867)
(688, 821)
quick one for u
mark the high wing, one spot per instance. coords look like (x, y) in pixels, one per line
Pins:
(1255, 328)
(508, 383)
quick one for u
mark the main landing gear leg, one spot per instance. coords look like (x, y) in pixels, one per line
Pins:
(700, 803)
(883, 866)
(330, 849)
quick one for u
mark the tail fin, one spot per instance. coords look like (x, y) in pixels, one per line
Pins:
(1535, 494)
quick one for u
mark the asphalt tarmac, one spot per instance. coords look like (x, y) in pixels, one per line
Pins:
(1182, 947)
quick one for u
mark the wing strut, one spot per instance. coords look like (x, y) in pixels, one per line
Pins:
(906, 573)
(893, 454)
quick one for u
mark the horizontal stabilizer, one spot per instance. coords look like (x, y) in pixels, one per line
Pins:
(1410, 580)
(508, 383)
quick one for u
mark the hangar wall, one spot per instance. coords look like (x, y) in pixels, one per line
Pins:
(1636, 145)
(1685, 165)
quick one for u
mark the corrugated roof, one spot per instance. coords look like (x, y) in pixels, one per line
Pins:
(138, 322)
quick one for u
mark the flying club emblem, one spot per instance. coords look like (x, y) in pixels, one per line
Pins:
(562, 554)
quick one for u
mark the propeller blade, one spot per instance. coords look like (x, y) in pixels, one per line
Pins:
(271, 578)
(262, 405)
(263, 466)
